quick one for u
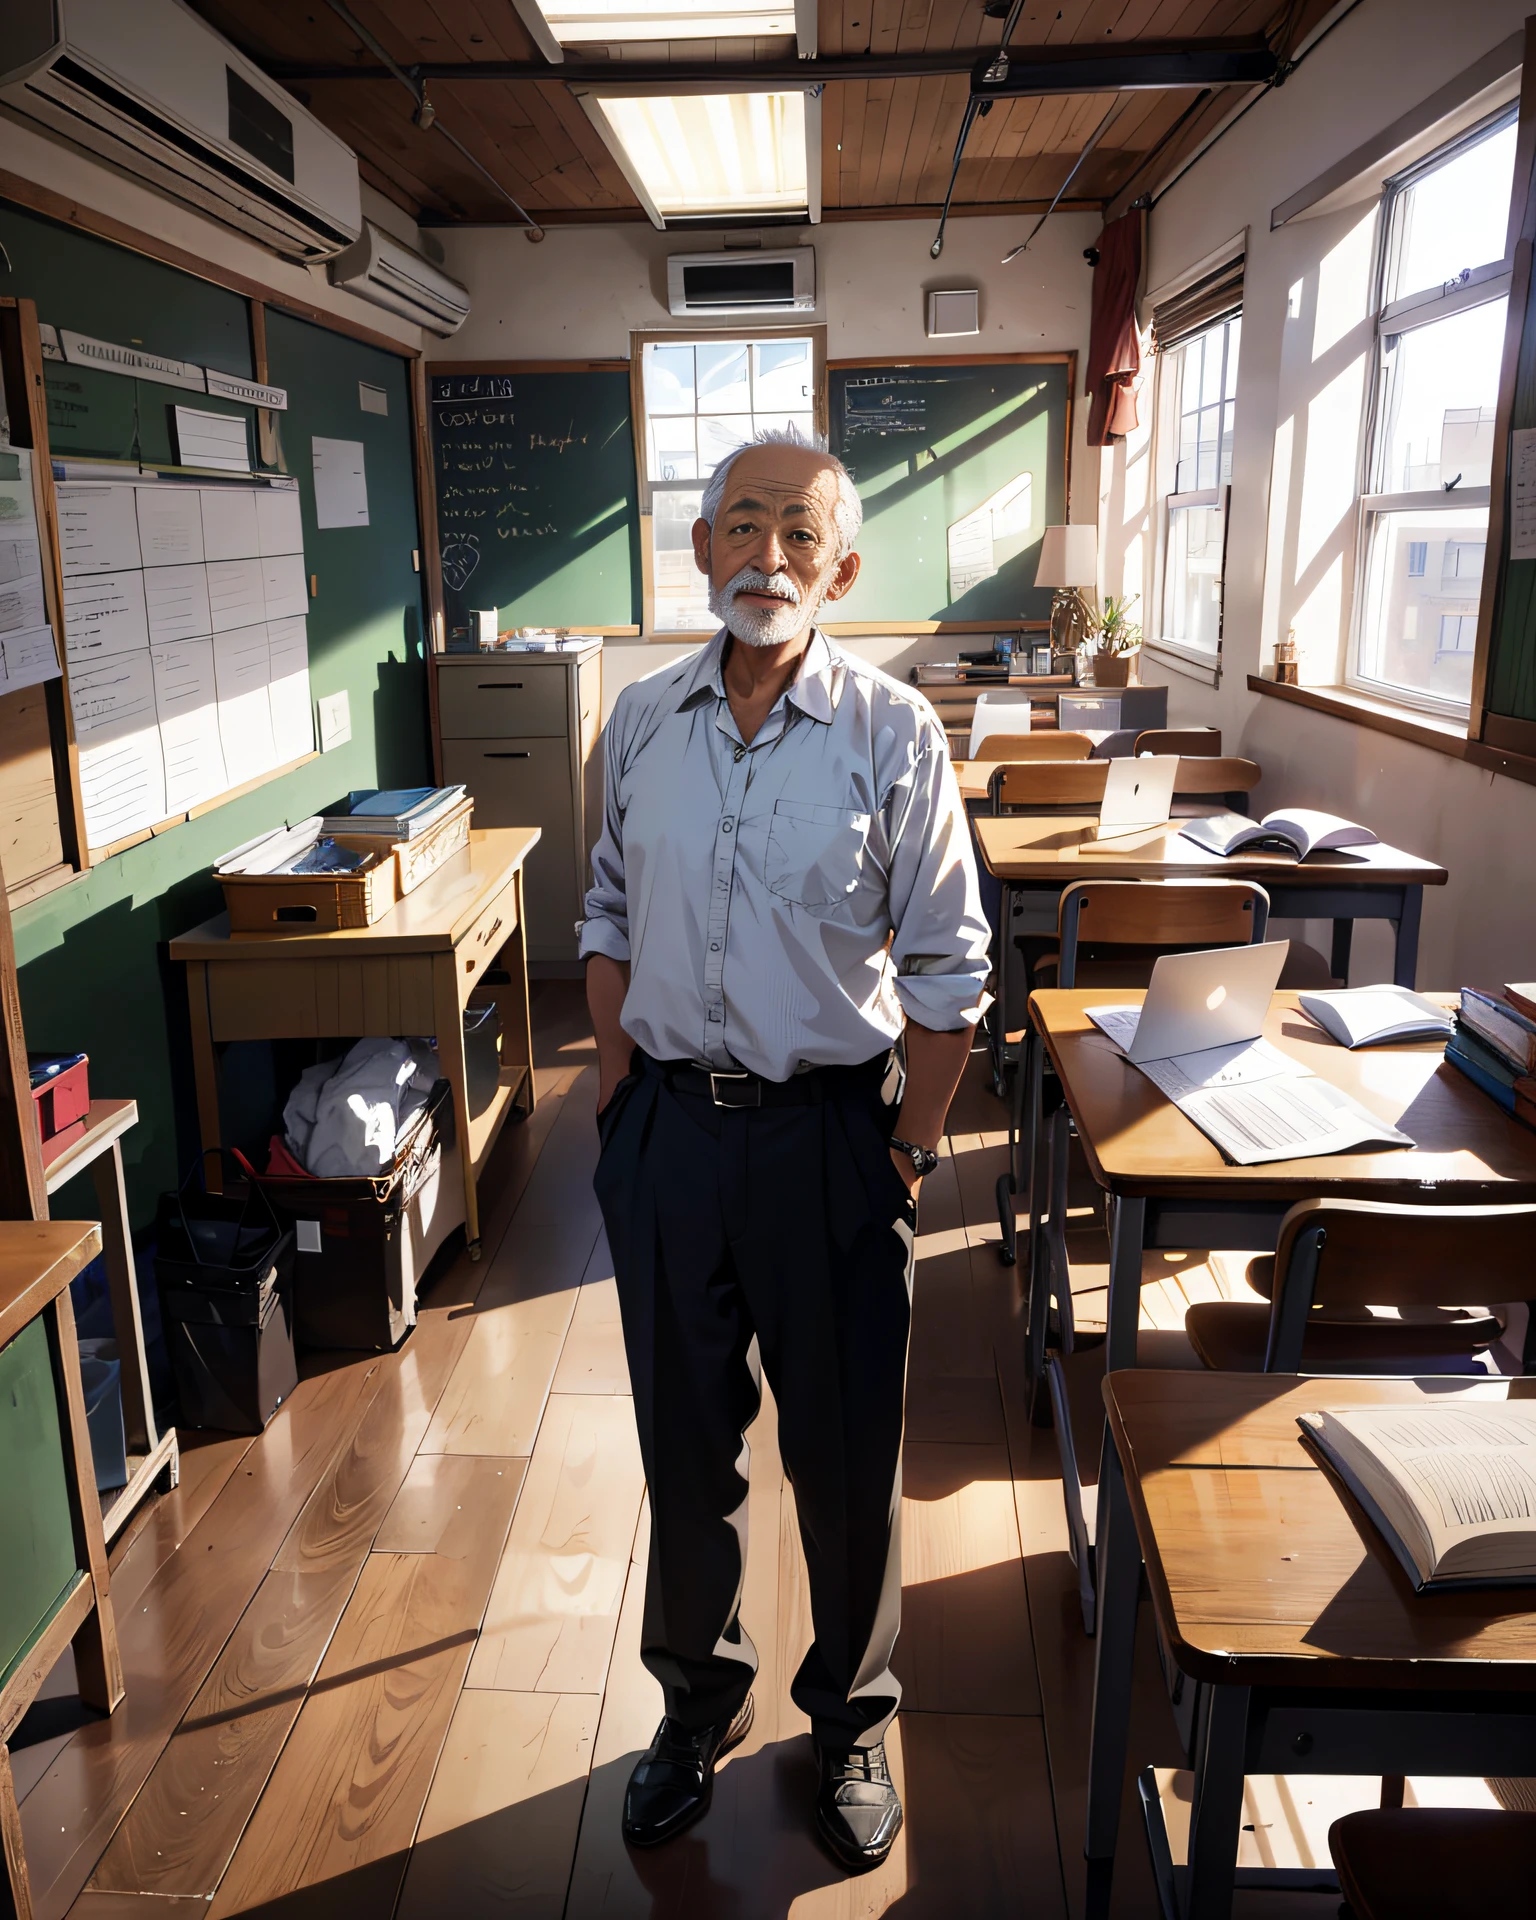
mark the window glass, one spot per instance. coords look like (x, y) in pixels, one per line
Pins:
(703, 398)
(668, 379)
(681, 591)
(1440, 386)
(1452, 217)
(1206, 373)
(782, 375)
(1202, 377)
(1424, 577)
(1192, 596)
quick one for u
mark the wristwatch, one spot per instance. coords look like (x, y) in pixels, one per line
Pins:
(923, 1159)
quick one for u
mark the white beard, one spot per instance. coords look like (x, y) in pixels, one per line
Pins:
(761, 626)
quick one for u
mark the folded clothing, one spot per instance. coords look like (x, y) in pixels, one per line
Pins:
(345, 1118)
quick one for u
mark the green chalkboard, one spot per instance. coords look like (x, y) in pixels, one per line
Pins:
(961, 467)
(537, 498)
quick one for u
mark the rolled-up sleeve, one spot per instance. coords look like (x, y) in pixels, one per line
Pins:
(941, 938)
(605, 929)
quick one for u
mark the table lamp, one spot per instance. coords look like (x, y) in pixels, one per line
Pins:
(1069, 561)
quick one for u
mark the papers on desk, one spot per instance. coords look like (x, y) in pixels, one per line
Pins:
(1255, 1102)
(193, 599)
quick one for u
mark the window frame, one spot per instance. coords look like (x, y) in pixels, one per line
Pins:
(698, 335)
(1391, 319)
(1167, 420)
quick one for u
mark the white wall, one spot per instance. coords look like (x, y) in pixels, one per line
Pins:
(580, 293)
(1306, 355)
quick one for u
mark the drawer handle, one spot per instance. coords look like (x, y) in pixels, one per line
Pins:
(495, 686)
(493, 929)
(521, 753)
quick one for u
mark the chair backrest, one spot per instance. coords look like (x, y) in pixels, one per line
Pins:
(1201, 743)
(1159, 913)
(1001, 710)
(1207, 774)
(1040, 785)
(1035, 746)
(1357, 1253)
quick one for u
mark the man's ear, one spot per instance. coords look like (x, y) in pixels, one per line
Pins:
(843, 577)
(701, 545)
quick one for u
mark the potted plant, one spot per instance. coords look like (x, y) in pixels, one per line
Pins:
(1116, 641)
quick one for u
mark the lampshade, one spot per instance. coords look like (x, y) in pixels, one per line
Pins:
(1069, 557)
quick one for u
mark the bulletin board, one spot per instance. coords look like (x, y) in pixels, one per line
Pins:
(961, 465)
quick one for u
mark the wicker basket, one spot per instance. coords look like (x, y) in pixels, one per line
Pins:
(279, 903)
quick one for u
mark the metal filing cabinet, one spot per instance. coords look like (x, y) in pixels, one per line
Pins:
(520, 731)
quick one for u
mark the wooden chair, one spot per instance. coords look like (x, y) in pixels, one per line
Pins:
(1200, 743)
(1035, 746)
(1337, 1259)
(1079, 784)
(1455, 1863)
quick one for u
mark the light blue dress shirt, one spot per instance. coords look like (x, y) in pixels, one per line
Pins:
(790, 903)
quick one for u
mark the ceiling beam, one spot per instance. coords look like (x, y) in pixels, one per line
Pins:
(1133, 66)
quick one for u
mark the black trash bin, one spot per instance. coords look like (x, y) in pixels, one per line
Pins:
(225, 1268)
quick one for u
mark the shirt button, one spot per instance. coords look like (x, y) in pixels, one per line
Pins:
(714, 1013)
(740, 755)
(714, 946)
(725, 826)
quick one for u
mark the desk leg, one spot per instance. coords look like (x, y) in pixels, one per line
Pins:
(1119, 1588)
(1127, 1232)
(1215, 1818)
(127, 1324)
(98, 1664)
(450, 1058)
(1000, 1005)
(205, 1069)
(1338, 960)
(15, 1889)
(1405, 958)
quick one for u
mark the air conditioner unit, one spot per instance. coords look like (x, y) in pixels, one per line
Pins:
(384, 270)
(152, 88)
(747, 280)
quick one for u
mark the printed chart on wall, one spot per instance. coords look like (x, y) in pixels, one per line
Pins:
(187, 643)
(961, 467)
(28, 652)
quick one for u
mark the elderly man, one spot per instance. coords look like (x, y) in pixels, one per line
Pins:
(786, 958)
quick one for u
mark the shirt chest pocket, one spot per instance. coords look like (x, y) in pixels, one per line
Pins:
(817, 856)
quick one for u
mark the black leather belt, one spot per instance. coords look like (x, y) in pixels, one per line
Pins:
(741, 1089)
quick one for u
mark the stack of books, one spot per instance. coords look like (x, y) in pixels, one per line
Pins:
(398, 814)
(1494, 1045)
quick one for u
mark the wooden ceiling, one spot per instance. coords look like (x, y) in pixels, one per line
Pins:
(887, 142)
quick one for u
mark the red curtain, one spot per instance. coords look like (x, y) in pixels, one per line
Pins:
(1114, 347)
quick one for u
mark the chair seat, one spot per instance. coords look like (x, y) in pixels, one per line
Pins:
(1435, 1863)
(1231, 1336)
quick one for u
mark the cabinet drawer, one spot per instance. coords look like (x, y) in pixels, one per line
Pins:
(527, 783)
(500, 698)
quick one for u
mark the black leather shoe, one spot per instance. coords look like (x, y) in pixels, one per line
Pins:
(858, 1810)
(674, 1778)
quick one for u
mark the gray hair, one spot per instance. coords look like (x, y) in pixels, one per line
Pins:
(847, 514)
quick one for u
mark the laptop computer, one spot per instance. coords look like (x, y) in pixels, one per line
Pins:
(1195, 1001)
(1137, 794)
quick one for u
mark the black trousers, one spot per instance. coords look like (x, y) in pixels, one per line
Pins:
(780, 1237)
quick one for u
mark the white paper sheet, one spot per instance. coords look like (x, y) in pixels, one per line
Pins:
(293, 718)
(186, 699)
(170, 524)
(21, 557)
(341, 485)
(206, 439)
(98, 528)
(176, 600)
(21, 605)
(1522, 494)
(122, 770)
(283, 587)
(279, 522)
(29, 658)
(242, 665)
(235, 597)
(104, 614)
(229, 523)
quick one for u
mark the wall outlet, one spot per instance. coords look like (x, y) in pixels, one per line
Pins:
(335, 721)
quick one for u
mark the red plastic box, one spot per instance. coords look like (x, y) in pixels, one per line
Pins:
(61, 1095)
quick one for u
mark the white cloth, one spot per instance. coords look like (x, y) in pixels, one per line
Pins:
(345, 1119)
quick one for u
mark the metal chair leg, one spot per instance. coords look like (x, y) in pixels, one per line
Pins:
(1078, 1544)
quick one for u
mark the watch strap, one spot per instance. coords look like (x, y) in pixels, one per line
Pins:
(924, 1159)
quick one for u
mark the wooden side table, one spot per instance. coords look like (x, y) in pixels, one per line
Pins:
(153, 1457)
(56, 1559)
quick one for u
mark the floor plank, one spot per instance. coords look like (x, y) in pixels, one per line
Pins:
(592, 1359)
(554, 1609)
(498, 1833)
(439, 1488)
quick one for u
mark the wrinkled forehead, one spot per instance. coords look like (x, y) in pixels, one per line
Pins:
(790, 483)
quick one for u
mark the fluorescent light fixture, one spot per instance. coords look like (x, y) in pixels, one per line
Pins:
(556, 24)
(714, 153)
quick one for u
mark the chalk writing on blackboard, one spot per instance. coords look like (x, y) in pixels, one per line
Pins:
(884, 406)
(472, 386)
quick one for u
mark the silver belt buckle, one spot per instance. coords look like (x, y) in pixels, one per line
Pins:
(714, 1090)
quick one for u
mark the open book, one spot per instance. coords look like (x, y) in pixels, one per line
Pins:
(1371, 1016)
(1452, 1488)
(1298, 830)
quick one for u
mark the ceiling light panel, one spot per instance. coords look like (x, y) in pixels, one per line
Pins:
(735, 153)
(612, 22)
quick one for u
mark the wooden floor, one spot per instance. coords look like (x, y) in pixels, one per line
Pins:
(383, 1661)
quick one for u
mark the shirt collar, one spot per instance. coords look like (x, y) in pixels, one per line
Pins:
(815, 689)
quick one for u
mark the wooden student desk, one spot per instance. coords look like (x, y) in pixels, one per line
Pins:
(1169, 1187)
(1275, 1592)
(459, 935)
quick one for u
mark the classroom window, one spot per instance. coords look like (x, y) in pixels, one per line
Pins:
(1443, 291)
(1198, 388)
(703, 398)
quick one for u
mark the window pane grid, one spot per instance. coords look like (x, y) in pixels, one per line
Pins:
(1204, 371)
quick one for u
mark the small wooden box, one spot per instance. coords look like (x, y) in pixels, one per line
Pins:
(278, 903)
(419, 858)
